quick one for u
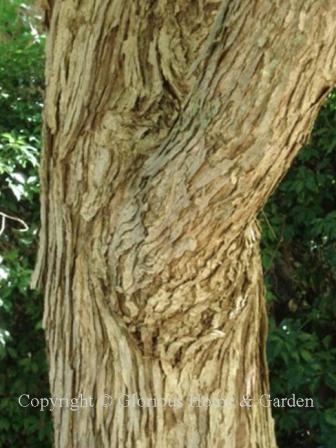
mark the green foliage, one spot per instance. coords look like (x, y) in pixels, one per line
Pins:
(21, 67)
(299, 255)
(22, 353)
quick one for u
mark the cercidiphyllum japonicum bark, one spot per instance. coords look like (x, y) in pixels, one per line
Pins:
(167, 125)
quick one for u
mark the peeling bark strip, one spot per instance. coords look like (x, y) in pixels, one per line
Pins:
(167, 125)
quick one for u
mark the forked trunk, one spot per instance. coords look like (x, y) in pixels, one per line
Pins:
(167, 125)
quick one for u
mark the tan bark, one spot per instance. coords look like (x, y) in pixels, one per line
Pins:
(168, 124)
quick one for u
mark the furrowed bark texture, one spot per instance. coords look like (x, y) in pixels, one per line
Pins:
(167, 125)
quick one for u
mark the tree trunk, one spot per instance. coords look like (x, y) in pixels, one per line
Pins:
(167, 125)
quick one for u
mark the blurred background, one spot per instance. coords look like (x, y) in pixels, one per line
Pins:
(298, 248)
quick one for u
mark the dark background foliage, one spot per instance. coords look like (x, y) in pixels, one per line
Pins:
(299, 258)
(22, 354)
(298, 246)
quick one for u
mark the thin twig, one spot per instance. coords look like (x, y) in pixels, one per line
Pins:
(4, 216)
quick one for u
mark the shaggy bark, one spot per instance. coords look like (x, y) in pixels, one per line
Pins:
(167, 125)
